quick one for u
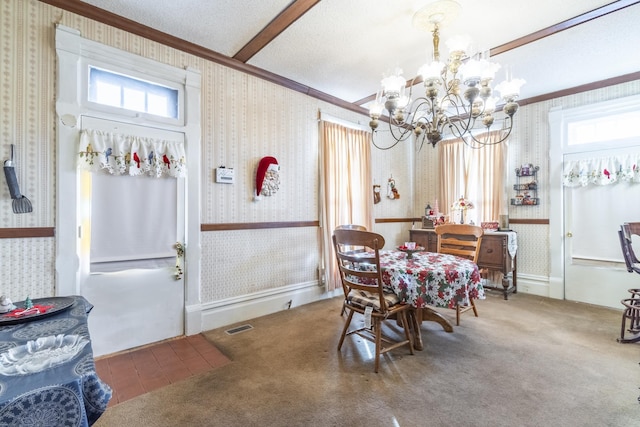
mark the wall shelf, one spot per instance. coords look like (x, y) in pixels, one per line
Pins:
(526, 186)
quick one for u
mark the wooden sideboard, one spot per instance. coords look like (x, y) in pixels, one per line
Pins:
(494, 256)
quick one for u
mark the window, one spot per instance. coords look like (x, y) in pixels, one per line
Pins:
(476, 174)
(346, 175)
(121, 91)
(607, 127)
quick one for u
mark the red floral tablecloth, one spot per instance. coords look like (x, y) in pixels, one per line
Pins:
(431, 279)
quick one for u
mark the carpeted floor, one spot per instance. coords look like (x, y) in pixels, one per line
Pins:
(529, 361)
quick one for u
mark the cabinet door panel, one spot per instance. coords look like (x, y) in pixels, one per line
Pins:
(493, 253)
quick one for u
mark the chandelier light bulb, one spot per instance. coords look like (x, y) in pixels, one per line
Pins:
(471, 71)
(510, 89)
(375, 109)
(391, 85)
(458, 44)
(490, 104)
(489, 69)
(431, 71)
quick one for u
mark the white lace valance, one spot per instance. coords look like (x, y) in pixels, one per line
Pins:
(130, 155)
(602, 171)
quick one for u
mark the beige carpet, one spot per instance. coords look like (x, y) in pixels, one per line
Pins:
(529, 361)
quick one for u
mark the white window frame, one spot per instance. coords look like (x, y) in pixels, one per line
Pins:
(87, 63)
(598, 111)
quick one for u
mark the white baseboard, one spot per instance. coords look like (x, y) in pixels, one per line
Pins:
(216, 314)
(528, 284)
(226, 312)
(535, 285)
(193, 319)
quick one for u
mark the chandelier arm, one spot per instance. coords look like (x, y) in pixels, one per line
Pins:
(416, 107)
(458, 104)
(480, 144)
(484, 143)
(460, 129)
(422, 139)
(373, 141)
(402, 135)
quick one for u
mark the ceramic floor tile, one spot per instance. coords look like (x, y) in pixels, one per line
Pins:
(136, 372)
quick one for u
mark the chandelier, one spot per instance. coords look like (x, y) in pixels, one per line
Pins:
(458, 95)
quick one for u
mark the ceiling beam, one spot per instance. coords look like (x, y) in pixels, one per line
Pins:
(100, 15)
(565, 25)
(288, 16)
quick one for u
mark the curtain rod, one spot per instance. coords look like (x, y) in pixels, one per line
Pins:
(346, 123)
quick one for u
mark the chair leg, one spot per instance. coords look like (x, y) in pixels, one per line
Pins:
(460, 309)
(415, 327)
(378, 330)
(344, 330)
(407, 332)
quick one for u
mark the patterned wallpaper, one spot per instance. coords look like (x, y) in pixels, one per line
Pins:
(244, 119)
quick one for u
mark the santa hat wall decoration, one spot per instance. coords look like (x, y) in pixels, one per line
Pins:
(267, 177)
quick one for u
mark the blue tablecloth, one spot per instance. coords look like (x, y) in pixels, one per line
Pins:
(47, 371)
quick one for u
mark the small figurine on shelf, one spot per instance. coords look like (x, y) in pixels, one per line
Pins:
(28, 304)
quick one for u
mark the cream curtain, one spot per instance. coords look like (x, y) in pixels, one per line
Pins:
(453, 174)
(478, 174)
(347, 188)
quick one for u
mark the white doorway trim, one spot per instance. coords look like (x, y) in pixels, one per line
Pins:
(556, 204)
(72, 51)
(558, 138)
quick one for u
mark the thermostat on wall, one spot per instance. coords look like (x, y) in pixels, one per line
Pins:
(224, 175)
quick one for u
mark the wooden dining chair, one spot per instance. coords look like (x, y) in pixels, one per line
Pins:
(627, 230)
(631, 313)
(361, 278)
(352, 248)
(462, 240)
(351, 227)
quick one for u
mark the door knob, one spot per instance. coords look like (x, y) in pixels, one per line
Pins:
(569, 234)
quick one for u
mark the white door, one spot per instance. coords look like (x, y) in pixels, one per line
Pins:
(135, 306)
(595, 272)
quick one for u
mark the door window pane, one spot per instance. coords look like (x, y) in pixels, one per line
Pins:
(118, 90)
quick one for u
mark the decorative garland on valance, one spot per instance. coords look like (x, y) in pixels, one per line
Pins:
(602, 171)
(130, 155)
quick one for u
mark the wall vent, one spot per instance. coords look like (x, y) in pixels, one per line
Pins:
(238, 329)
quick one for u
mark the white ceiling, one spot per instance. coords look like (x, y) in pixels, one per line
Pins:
(343, 47)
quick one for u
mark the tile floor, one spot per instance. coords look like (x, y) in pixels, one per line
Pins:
(139, 371)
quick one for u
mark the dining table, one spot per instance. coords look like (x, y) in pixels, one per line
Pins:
(47, 370)
(428, 280)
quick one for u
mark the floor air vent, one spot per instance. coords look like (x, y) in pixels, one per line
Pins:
(238, 329)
